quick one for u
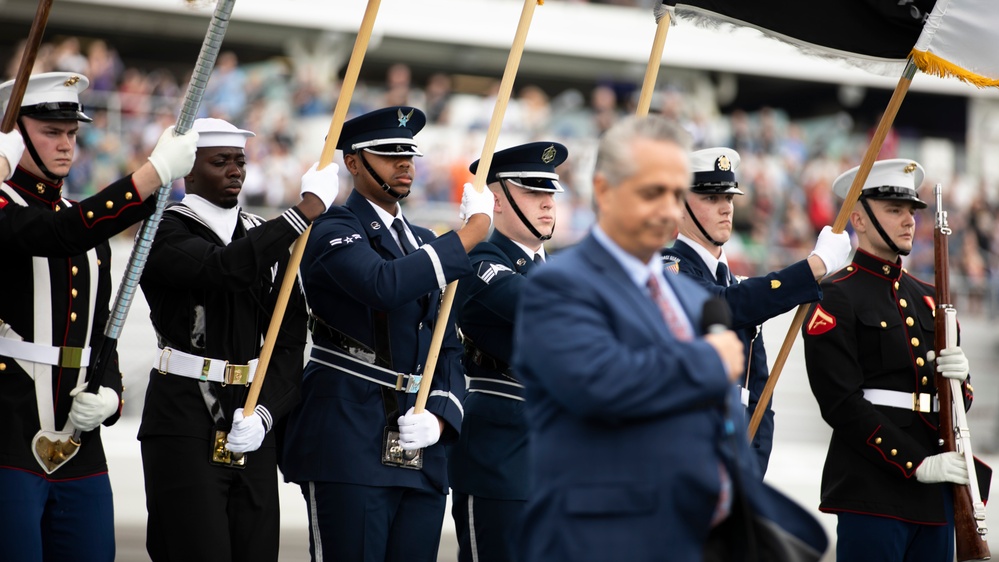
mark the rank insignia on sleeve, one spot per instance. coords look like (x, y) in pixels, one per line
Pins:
(490, 272)
(345, 240)
(820, 322)
(930, 302)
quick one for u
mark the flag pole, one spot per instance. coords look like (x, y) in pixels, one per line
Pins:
(655, 60)
(325, 159)
(838, 226)
(479, 183)
(24, 68)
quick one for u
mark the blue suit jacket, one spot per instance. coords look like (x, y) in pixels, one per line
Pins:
(353, 268)
(490, 458)
(627, 423)
(752, 301)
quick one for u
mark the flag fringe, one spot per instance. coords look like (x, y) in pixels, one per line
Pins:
(932, 64)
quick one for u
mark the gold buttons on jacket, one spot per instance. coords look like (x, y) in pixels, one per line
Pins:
(884, 324)
(75, 270)
(849, 268)
(894, 452)
(909, 321)
(128, 196)
(90, 214)
(920, 362)
(908, 465)
(925, 380)
(109, 204)
(877, 441)
(902, 303)
(915, 342)
(98, 262)
(72, 317)
(58, 208)
(74, 292)
(3, 366)
(896, 285)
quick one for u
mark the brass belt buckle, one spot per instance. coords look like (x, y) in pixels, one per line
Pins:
(410, 384)
(236, 374)
(70, 357)
(921, 402)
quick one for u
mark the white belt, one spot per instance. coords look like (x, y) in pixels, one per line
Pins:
(183, 364)
(915, 401)
(66, 357)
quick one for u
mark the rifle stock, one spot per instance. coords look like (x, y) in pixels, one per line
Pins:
(969, 511)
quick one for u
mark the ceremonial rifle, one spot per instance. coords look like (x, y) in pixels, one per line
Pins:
(969, 511)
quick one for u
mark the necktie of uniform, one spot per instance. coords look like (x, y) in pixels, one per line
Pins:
(670, 314)
(721, 276)
(538, 259)
(404, 243)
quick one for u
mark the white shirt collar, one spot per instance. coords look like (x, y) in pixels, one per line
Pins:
(221, 221)
(710, 261)
(530, 253)
(387, 220)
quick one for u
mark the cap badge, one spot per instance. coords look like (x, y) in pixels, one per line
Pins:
(404, 119)
(548, 156)
(71, 81)
(723, 163)
(909, 168)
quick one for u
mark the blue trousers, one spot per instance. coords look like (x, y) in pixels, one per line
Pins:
(862, 538)
(487, 529)
(45, 520)
(373, 524)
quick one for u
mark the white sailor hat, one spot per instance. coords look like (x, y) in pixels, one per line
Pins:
(217, 132)
(897, 179)
(714, 171)
(50, 96)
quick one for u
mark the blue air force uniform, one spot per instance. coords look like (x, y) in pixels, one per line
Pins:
(753, 300)
(488, 465)
(374, 310)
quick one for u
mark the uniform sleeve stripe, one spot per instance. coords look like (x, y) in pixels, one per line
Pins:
(450, 397)
(296, 219)
(265, 415)
(438, 268)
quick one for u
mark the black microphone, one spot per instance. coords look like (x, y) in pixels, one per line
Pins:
(716, 317)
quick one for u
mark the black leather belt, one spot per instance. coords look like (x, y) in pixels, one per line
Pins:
(486, 361)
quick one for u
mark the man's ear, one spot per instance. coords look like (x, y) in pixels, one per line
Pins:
(350, 162)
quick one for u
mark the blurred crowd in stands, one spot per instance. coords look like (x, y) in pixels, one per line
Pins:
(786, 171)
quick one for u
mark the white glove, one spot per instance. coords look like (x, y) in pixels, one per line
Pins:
(945, 467)
(417, 431)
(173, 156)
(11, 147)
(89, 410)
(833, 249)
(324, 184)
(476, 203)
(246, 434)
(953, 363)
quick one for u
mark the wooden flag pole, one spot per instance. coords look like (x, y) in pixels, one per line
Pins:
(492, 135)
(24, 68)
(329, 150)
(841, 219)
(655, 61)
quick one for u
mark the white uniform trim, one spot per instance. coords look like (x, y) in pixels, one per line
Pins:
(473, 541)
(436, 261)
(317, 539)
(450, 397)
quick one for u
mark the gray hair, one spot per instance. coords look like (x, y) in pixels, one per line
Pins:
(614, 158)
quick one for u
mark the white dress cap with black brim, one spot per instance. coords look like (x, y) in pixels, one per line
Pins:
(50, 96)
(220, 133)
(386, 132)
(714, 171)
(530, 166)
(897, 179)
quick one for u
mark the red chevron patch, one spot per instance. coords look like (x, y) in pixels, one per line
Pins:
(821, 322)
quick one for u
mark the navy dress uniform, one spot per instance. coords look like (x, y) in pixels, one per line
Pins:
(374, 303)
(488, 465)
(212, 281)
(56, 287)
(866, 347)
(752, 300)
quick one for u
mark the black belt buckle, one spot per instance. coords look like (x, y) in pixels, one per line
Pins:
(394, 455)
(224, 457)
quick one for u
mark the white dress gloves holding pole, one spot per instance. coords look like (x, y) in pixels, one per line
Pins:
(11, 147)
(89, 410)
(247, 433)
(417, 431)
(833, 249)
(173, 156)
(324, 184)
(474, 202)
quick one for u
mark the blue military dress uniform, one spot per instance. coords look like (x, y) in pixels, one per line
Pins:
(374, 311)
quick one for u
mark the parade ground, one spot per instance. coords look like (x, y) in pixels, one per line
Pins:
(795, 467)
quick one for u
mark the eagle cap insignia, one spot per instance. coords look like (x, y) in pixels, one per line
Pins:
(71, 81)
(548, 156)
(723, 163)
(910, 167)
(404, 119)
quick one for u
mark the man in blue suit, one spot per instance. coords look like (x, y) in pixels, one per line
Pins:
(698, 252)
(633, 450)
(375, 482)
(488, 466)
